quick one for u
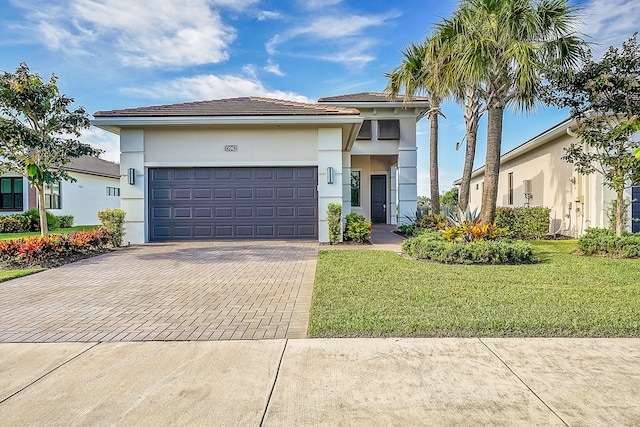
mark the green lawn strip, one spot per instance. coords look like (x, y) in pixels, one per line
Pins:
(11, 236)
(365, 293)
(12, 274)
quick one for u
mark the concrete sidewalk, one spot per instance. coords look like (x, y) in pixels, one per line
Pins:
(323, 382)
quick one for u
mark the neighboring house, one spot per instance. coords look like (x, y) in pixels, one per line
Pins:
(97, 188)
(534, 174)
(263, 168)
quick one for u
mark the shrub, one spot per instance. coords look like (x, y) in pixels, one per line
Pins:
(37, 250)
(34, 218)
(65, 221)
(113, 221)
(357, 228)
(17, 223)
(406, 229)
(523, 223)
(603, 241)
(334, 218)
(431, 246)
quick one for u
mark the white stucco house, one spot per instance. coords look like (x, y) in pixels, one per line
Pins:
(97, 187)
(534, 174)
(263, 168)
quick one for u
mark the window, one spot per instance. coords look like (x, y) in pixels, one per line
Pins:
(365, 130)
(52, 196)
(113, 191)
(11, 193)
(510, 185)
(389, 129)
(355, 189)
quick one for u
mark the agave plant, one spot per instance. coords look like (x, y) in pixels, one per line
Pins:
(456, 219)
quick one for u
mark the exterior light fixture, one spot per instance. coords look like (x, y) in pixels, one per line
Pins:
(329, 175)
(131, 176)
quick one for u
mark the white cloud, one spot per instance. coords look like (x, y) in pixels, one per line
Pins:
(266, 14)
(103, 140)
(336, 38)
(318, 4)
(209, 86)
(610, 22)
(140, 34)
(273, 68)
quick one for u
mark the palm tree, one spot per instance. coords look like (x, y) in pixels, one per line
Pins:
(504, 47)
(419, 74)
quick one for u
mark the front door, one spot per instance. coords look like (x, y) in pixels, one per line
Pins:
(379, 199)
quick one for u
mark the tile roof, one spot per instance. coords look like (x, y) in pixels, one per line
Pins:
(94, 166)
(368, 97)
(246, 106)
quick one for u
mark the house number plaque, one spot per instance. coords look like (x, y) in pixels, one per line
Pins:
(230, 148)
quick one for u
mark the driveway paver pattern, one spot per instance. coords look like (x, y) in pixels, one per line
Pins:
(164, 292)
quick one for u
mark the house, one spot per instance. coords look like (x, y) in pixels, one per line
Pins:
(97, 187)
(263, 168)
(534, 174)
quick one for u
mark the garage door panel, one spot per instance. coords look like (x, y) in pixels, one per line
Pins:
(232, 203)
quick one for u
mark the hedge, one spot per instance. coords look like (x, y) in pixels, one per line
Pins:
(523, 223)
(603, 241)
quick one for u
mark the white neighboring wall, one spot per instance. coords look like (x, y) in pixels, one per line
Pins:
(86, 197)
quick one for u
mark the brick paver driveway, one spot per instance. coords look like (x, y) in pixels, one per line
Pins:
(173, 291)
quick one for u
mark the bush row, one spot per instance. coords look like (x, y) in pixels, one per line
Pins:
(30, 221)
(431, 246)
(45, 251)
(523, 223)
(602, 241)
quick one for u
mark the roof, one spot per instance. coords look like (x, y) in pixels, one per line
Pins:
(246, 106)
(91, 165)
(370, 97)
(535, 142)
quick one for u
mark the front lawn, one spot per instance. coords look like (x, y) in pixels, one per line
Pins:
(366, 293)
(13, 274)
(11, 236)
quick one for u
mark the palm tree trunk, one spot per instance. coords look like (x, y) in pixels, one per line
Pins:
(433, 160)
(495, 115)
(472, 120)
(44, 228)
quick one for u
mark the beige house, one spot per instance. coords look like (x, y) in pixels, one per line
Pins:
(251, 167)
(534, 174)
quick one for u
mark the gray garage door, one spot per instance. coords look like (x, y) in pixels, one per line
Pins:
(208, 203)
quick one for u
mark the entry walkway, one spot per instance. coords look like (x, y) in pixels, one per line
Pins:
(350, 382)
(173, 291)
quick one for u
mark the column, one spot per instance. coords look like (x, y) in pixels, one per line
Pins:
(132, 196)
(329, 156)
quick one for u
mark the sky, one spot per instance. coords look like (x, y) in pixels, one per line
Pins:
(114, 54)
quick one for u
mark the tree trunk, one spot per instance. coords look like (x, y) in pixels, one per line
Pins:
(619, 212)
(472, 120)
(433, 160)
(44, 228)
(495, 115)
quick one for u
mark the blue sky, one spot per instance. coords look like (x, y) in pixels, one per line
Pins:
(113, 54)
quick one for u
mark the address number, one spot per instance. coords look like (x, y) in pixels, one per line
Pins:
(230, 148)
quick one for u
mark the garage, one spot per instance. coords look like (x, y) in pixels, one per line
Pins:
(233, 203)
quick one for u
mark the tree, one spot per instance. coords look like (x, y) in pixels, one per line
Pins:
(450, 198)
(38, 132)
(504, 47)
(604, 98)
(419, 74)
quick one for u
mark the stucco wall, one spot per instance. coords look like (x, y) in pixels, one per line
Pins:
(86, 197)
(206, 147)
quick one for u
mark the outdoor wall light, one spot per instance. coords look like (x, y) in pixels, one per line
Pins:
(131, 176)
(329, 175)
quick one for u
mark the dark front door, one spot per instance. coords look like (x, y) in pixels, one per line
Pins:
(379, 199)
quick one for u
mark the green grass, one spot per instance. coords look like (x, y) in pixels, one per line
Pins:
(11, 236)
(365, 293)
(12, 274)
